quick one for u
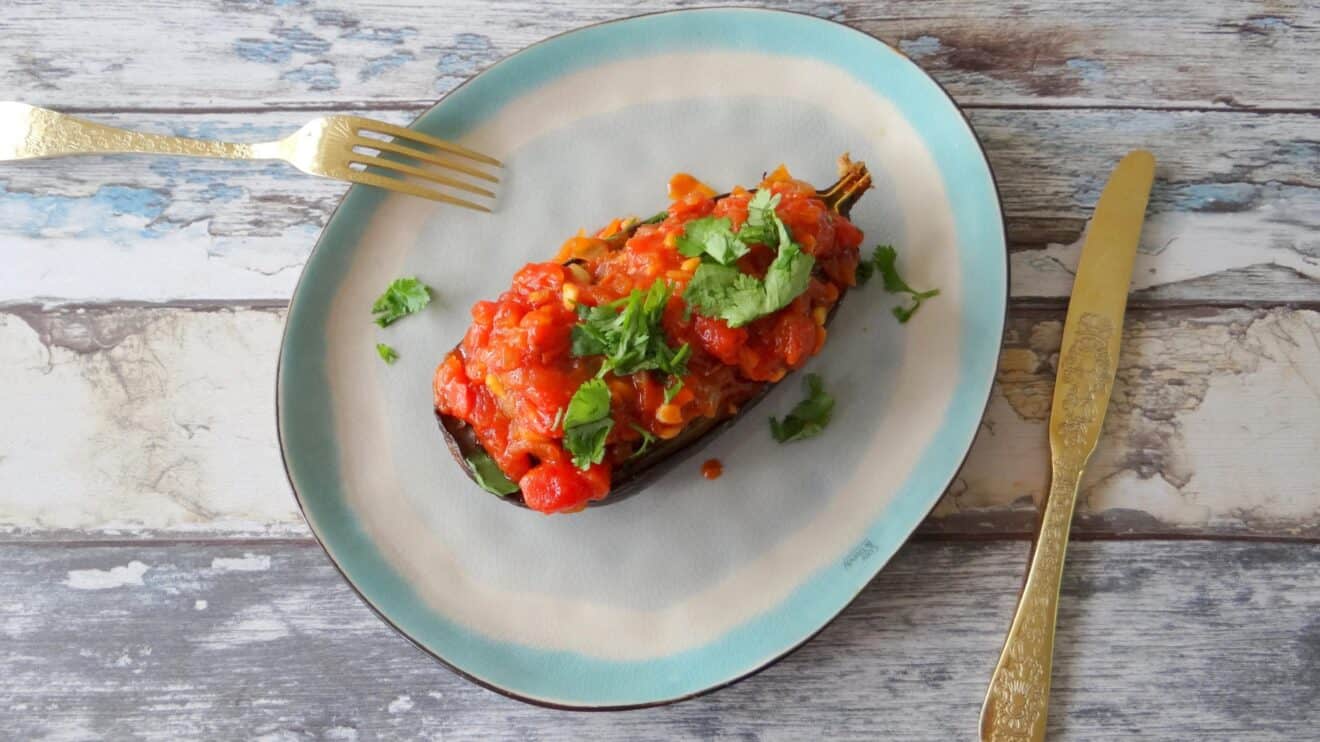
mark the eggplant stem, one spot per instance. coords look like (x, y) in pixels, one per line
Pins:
(852, 183)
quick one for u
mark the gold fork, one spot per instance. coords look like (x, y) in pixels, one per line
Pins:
(339, 147)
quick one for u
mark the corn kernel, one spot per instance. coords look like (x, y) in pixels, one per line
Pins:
(494, 385)
(668, 431)
(671, 239)
(669, 414)
(819, 314)
(570, 295)
(690, 265)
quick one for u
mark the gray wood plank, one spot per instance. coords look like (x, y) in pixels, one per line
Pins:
(1158, 640)
(128, 53)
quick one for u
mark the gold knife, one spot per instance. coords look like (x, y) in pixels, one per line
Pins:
(1018, 699)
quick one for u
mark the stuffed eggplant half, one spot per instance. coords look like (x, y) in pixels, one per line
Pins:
(596, 370)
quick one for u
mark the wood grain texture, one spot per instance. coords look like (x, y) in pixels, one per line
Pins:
(318, 52)
(1235, 213)
(151, 422)
(1158, 641)
(1210, 428)
(131, 432)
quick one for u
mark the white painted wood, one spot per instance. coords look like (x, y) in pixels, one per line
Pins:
(1157, 641)
(157, 422)
(1211, 428)
(147, 54)
(142, 419)
(1235, 214)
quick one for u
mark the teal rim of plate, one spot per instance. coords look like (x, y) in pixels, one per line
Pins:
(568, 679)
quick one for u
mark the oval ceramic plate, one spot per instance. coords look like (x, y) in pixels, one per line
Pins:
(692, 584)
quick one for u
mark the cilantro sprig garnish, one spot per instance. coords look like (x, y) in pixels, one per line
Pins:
(809, 417)
(489, 475)
(628, 332)
(762, 225)
(587, 423)
(403, 297)
(711, 237)
(718, 289)
(386, 353)
(884, 261)
(648, 439)
(673, 389)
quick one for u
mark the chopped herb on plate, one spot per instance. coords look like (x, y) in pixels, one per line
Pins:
(403, 297)
(809, 418)
(386, 353)
(884, 260)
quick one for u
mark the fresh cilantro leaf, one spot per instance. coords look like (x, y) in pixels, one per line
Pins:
(630, 334)
(903, 314)
(587, 423)
(660, 217)
(727, 293)
(591, 402)
(738, 298)
(647, 440)
(587, 442)
(673, 389)
(808, 418)
(386, 353)
(489, 475)
(885, 259)
(787, 277)
(711, 236)
(719, 290)
(591, 336)
(404, 296)
(761, 219)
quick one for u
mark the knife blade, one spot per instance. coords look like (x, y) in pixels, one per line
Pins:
(1094, 326)
(1017, 701)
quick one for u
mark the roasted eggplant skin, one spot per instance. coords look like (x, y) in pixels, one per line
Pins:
(634, 475)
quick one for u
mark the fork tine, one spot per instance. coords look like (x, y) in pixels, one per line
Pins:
(418, 154)
(400, 167)
(380, 127)
(412, 189)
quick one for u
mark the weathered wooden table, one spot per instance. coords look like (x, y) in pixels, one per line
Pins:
(158, 582)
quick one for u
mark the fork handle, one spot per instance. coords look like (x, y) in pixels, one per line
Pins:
(53, 134)
(1017, 702)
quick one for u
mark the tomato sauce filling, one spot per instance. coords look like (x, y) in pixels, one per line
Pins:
(513, 375)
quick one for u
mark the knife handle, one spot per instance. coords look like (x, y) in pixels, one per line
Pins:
(1017, 702)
